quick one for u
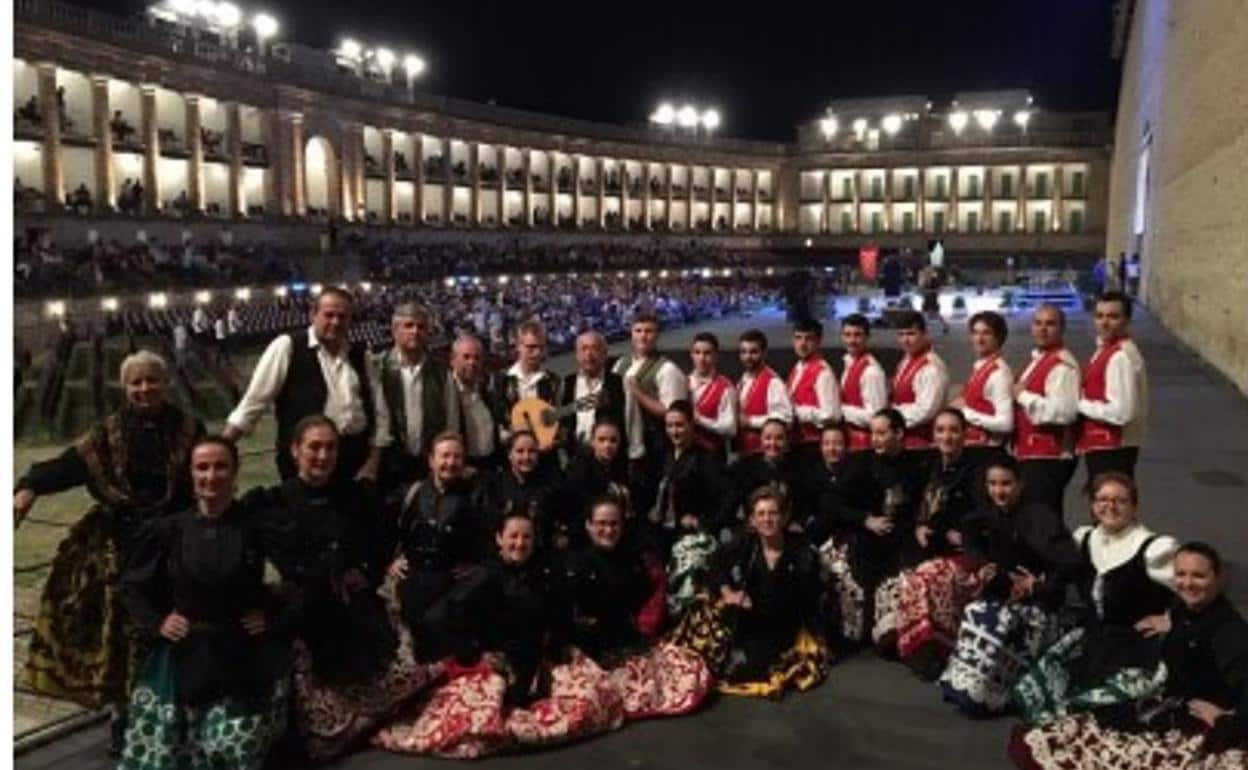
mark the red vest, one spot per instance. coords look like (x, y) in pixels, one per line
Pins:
(754, 404)
(803, 394)
(1093, 434)
(1037, 442)
(708, 406)
(851, 393)
(919, 436)
(973, 395)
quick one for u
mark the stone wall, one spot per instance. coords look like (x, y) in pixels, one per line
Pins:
(1184, 102)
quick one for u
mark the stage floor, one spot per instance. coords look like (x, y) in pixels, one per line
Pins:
(870, 713)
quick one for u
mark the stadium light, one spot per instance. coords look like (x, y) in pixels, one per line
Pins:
(771, 271)
(829, 127)
(109, 304)
(860, 127)
(55, 309)
(957, 121)
(350, 48)
(503, 280)
(986, 119)
(385, 59)
(450, 283)
(315, 289)
(413, 65)
(227, 15)
(280, 291)
(158, 300)
(687, 117)
(265, 26)
(710, 120)
(366, 287)
(665, 115)
(1021, 118)
(528, 278)
(662, 273)
(243, 294)
(203, 297)
(891, 124)
(643, 274)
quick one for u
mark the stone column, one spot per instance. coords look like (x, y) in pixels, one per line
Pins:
(418, 152)
(757, 197)
(474, 179)
(646, 196)
(526, 158)
(825, 214)
(53, 165)
(710, 196)
(298, 190)
(1059, 189)
(149, 129)
(690, 219)
(953, 199)
(989, 178)
(448, 185)
(888, 200)
(388, 214)
(275, 180)
(920, 200)
(624, 180)
(671, 175)
(105, 188)
(575, 162)
(234, 151)
(1020, 214)
(600, 170)
(857, 198)
(732, 215)
(195, 147)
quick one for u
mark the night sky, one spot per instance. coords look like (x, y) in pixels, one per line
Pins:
(766, 66)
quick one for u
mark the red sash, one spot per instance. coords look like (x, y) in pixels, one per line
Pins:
(754, 404)
(708, 406)
(975, 400)
(851, 393)
(803, 394)
(919, 436)
(1096, 435)
(1037, 442)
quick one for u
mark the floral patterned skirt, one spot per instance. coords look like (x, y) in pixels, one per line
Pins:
(82, 647)
(921, 608)
(997, 641)
(163, 734)
(1081, 742)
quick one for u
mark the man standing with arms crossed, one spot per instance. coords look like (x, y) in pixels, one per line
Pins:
(713, 396)
(1113, 400)
(813, 390)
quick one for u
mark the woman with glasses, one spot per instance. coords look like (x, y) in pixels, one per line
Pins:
(1199, 719)
(1127, 582)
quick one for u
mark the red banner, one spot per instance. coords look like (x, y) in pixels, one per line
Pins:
(869, 261)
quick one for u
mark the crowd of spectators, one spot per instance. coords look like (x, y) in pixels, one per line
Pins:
(42, 266)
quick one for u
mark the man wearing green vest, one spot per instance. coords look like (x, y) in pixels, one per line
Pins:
(414, 395)
(651, 384)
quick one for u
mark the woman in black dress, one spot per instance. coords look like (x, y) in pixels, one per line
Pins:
(773, 467)
(758, 625)
(212, 692)
(353, 661)
(602, 470)
(133, 464)
(1199, 720)
(521, 485)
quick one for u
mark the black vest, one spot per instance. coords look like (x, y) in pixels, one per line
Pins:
(1128, 594)
(304, 391)
(432, 400)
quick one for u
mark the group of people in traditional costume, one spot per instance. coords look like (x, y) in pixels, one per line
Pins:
(457, 573)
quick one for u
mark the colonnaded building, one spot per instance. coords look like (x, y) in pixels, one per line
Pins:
(221, 126)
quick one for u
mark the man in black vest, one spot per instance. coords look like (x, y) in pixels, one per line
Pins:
(315, 371)
(476, 420)
(596, 392)
(414, 395)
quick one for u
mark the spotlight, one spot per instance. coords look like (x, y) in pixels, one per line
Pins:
(891, 124)
(203, 297)
(414, 65)
(243, 294)
(350, 49)
(665, 115)
(986, 119)
(55, 309)
(1021, 118)
(265, 26)
(710, 120)
(109, 304)
(957, 121)
(687, 117)
(829, 127)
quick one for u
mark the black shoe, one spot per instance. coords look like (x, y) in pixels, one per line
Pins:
(117, 735)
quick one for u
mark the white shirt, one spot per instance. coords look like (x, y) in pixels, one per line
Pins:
(672, 386)
(199, 321)
(413, 405)
(725, 423)
(1110, 551)
(1126, 394)
(999, 390)
(931, 386)
(477, 420)
(179, 337)
(827, 393)
(233, 322)
(526, 381)
(585, 387)
(874, 388)
(344, 405)
(218, 328)
(1060, 403)
(779, 406)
